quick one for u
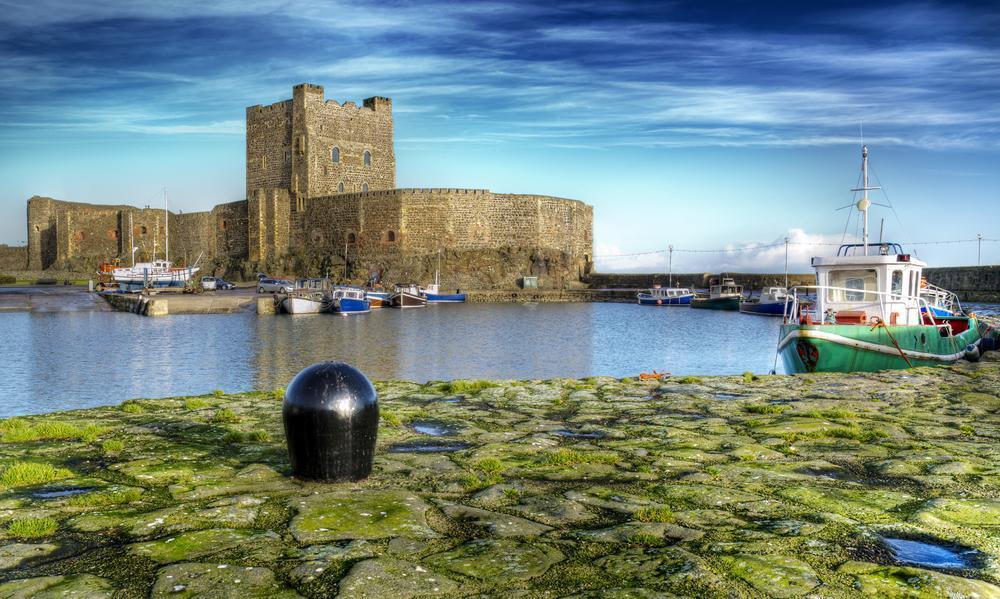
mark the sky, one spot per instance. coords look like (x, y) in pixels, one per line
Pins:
(701, 125)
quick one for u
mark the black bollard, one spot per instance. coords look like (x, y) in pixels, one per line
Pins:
(331, 421)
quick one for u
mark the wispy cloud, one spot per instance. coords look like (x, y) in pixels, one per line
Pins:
(615, 71)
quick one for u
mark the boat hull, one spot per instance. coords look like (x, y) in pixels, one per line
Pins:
(351, 306)
(766, 309)
(860, 348)
(444, 298)
(408, 300)
(301, 305)
(717, 303)
(648, 300)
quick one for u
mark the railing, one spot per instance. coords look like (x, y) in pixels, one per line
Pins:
(942, 298)
(794, 311)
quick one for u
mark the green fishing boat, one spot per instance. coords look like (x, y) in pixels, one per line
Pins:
(724, 296)
(868, 313)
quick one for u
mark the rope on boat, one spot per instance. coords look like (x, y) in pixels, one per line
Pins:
(878, 322)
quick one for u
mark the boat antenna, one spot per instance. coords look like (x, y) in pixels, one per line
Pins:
(864, 203)
(131, 238)
(786, 262)
(670, 266)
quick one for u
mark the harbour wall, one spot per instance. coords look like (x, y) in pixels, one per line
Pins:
(749, 281)
(971, 283)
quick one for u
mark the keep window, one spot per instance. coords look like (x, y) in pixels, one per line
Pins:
(335, 154)
(364, 187)
(368, 158)
(340, 187)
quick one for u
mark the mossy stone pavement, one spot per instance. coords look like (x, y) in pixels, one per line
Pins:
(775, 486)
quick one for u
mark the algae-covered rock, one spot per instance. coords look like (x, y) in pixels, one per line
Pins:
(191, 545)
(876, 580)
(497, 524)
(359, 514)
(388, 577)
(224, 581)
(773, 575)
(52, 587)
(643, 532)
(12, 555)
(488, 559)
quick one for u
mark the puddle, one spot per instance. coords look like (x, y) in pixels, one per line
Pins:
(921, 553)
(578, 434)
(56, 493)
(434, 428)
(729, 396)
(428, 447)
(682, 415)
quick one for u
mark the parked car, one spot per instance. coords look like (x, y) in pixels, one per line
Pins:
(274, 286)
(211, 283)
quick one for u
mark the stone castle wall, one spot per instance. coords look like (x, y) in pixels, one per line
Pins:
(68, 234)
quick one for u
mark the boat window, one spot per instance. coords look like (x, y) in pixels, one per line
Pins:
(897, 284)
(853, 285)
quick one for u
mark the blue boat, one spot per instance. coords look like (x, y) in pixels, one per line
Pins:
(433, 295)
(940, 302)
(770, 303)
(670, 296)
(348, 300)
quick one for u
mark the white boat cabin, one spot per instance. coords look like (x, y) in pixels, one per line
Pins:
(411, 288)
(728, 288)
(353, 293)
(857, 289)
(773, 295)
(665, 293)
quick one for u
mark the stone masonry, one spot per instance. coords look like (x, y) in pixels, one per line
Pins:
(321, 190)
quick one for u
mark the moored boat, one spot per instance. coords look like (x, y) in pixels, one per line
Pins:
(348, 300)
(378, 299)
(300, 302)
(940, 302)
(722, 296)
(665, 296)
(407, 296)
(433, 295)
(869, 313)
(770, 303)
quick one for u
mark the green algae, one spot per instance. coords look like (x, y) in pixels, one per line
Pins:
(193, 545)
(32, 528)
(773, 575)
(506, 560)
(23, 474)
(359, 515)
(50, 587)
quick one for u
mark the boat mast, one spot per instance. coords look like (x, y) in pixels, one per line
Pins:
(864, 203)
(437, 272)
(131, 239)
(670, 266)
(166, 219)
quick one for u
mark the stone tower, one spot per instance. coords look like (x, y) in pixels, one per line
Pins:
(314, 147)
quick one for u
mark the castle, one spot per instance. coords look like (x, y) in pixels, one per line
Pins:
(321, 198)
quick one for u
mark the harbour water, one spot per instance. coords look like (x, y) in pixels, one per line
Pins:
(66, 360)
(57, 361)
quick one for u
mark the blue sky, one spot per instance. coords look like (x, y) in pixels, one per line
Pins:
(705, 125)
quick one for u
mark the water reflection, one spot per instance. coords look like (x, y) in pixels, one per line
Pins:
(68, 360)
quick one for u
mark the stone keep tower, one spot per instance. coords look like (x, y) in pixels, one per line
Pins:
(315, 148)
